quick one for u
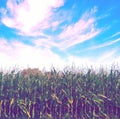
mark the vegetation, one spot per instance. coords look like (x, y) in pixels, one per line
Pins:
(68, 94)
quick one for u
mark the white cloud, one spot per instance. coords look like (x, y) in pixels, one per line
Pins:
(79, 32)
(116, 34)
(79, 61)
(45, 42)
(106, 60)
(76, 33)
(78, 38)
(105, 44)
(107, 57)
(15, 53)
(78, 27)
(84, 29)
(30, 15)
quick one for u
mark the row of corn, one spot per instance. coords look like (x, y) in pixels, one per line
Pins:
(33, 94)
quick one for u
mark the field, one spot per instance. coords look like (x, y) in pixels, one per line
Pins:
(67, 94)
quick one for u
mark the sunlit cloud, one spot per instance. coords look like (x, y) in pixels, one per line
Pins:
(29, 16)
(22, 55)
(105, 44)
(17, 53)
(84, 29)
(116, 34)
(81, 31)
(44, 33)
(107, 59)
(112, 40)
(26, 18)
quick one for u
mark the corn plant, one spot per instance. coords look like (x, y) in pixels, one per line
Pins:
(67, 94)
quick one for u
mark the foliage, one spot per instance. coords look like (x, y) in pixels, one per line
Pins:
(33, 94)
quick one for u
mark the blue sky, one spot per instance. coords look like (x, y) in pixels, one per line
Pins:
(59, 33)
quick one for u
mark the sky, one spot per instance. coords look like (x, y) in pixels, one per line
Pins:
(59, 33)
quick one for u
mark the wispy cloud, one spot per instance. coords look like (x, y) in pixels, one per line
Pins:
(106, 59)
(33, 17)
(53, 25)
(83, 30)
(17, 53)
(116, 34)
(29, 16)
(105, 44)
(72, 34)
(45, 43)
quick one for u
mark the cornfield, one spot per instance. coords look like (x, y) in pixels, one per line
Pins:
(33, 94)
